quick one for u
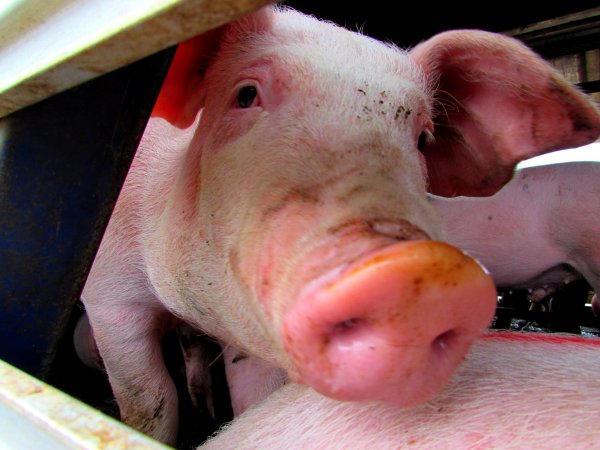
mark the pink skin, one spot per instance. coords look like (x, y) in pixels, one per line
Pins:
(341, 331)
(546, 216)
(85, 344)
(498, 398)
(250, 379)
(234, 214)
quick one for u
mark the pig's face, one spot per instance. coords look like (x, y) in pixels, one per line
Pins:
(316, 166)
(283, 232)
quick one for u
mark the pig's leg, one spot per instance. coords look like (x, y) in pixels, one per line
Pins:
(85, 344)
(128, 325)
(588, 264)
(250, 379)
(596, 305)
(197, 360)
(512, 391)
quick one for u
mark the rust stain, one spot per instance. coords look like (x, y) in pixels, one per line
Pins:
(62, 417)
(179, 22)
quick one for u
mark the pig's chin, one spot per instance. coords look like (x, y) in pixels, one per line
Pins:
(391, 325)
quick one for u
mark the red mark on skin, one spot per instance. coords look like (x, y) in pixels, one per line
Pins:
(535, 337)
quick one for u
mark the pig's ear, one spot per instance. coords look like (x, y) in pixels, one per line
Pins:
(180, 97)
(496, 103)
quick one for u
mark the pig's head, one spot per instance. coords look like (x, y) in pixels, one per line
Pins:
(299, 216)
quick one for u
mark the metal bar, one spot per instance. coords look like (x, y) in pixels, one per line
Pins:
(47, 46)
(568, 34)
(34, 415)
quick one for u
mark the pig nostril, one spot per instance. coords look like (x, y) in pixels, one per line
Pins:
(346, 325)
(348, 331)
(444, 341)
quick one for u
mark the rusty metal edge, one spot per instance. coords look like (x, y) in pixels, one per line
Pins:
(182, 21)
(32, 410)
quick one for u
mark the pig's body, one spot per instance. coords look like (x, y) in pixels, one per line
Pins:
(512, 392)
(538, 231)
(277, 202)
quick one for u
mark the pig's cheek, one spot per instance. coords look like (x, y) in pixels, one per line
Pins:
(224, 127)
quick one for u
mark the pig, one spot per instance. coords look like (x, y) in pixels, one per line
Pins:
(277, 202)
(249, 379)
(513, 391)
(537, 232)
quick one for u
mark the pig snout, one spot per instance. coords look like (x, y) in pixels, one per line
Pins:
(393, 326)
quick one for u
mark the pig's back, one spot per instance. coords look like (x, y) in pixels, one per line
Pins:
(541, 219)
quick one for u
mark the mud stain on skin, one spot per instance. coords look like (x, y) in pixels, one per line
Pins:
(158, 411)
(352, 193)
(418, 286)
(402, 111)
(147, 423)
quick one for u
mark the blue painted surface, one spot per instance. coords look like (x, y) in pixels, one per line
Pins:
(62, 164)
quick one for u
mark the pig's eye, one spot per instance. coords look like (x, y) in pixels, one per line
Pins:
(424, 138)
(246, 96)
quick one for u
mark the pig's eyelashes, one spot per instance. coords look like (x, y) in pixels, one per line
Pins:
(247, 96)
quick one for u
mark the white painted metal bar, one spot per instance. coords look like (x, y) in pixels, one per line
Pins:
(47, 46)
(34, 415)
(590, 152)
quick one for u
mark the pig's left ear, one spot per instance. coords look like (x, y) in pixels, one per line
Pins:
(180, 97)
(496, 104)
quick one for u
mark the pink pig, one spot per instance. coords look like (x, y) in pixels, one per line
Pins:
(513, 391)
(277, 202)
(538, 231)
